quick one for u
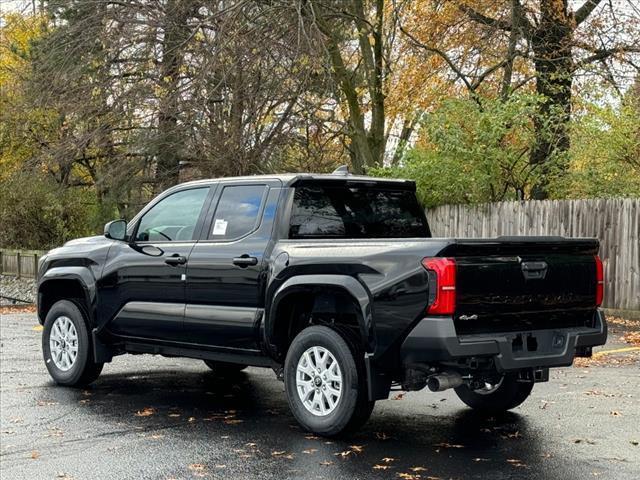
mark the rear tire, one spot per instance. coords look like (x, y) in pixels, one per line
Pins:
(507, 395)
(66, 345)
(352, 407)
(224, 368)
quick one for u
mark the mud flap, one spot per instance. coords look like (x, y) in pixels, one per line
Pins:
(101, 352)
(378, 382)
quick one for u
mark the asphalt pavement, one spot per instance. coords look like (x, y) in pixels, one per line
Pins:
(151, 417)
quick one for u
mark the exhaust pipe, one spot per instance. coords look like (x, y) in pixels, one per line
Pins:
(444, 381)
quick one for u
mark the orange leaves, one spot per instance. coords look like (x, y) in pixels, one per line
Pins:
(146, 412)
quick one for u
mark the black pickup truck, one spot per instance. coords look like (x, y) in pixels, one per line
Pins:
(334, 282)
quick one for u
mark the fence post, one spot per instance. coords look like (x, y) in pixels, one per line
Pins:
(35, 265)
(19, 267)
(1, 262)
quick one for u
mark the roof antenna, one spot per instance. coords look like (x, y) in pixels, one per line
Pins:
(341, 170)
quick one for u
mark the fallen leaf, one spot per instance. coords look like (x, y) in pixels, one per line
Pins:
(479, 459)
(278, 453)
(615, 413)
(408, 476)
(344, 454)
(632, 337)
(38, 328)
(356, 448)
(418, 469)
(382, 436)
(233, 421)
(310, 451)
(35, 454)
(326, 463)
(191, 419)
(388, 459)
(198, 469)
(448, 445)
(146, 412)
(55, 432)
(399, 396)
(381, 467)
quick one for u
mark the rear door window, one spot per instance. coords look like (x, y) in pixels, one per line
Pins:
(238, 211)
(344, 211)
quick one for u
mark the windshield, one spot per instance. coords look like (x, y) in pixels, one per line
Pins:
(346, 211)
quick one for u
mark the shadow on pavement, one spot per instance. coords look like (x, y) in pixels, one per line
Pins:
(245, 419)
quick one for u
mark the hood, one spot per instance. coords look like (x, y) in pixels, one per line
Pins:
(80, 245)
(91, 240)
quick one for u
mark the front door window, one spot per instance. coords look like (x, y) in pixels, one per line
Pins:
(174, 218)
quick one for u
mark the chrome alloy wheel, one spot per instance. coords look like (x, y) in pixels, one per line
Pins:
(63, 343)
(319, 381)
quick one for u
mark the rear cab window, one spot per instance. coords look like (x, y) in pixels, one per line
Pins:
(356, 211)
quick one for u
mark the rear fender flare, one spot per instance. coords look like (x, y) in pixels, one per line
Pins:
(350, 285)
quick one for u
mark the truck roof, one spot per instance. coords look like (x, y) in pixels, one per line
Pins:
(290, 179)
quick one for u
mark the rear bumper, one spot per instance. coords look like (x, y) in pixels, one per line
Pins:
(434, 340)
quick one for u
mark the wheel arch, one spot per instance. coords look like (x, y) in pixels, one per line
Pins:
(340, 294)
(64, 284)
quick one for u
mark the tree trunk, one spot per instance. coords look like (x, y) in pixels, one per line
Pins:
(551, 44)
(169, 141)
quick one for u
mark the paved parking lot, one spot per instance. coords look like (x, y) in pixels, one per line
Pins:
(161, 418)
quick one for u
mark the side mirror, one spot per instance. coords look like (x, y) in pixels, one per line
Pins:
(116, 230)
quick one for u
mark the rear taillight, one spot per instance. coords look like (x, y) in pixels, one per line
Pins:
(599, 281)
(445, 273)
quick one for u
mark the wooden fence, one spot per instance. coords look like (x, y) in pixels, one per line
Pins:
(20, 263)
(615, 222)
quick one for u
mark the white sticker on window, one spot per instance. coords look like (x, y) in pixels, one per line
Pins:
(220, 227)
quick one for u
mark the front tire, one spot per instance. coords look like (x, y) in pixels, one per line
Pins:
(507, 394)
(325, 383)
(66, 346)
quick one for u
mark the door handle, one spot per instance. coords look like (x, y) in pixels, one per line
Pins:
(245, 261)
(175, 259)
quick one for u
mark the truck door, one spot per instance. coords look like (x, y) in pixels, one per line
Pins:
(226, 272)
(142, 291)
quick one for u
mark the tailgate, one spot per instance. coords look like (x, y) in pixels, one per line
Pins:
(524, 283)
